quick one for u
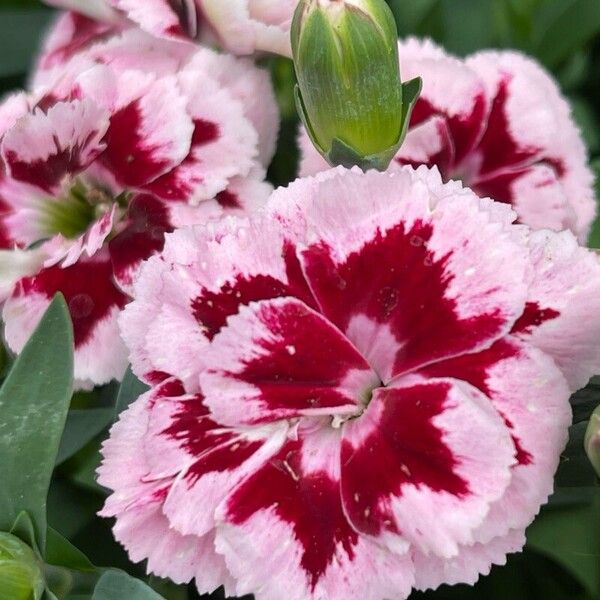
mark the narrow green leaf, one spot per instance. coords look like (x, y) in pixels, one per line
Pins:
(81, 428)
(131, 389)
(34, 401)
(61, 553)
(117, 585)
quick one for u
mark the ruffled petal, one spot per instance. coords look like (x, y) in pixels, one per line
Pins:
(393, 253)
(42, 148)
(94, 305)
(295, 497)
(563, 297)
(223, 143)
(279, 359)
(412, 470)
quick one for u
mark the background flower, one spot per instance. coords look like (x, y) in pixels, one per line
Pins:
(239, 26)
(111, 150)
(498, 122)
(377, 372)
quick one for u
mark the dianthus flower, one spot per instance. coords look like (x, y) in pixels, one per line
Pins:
(239, 26)
(498, 122)
(361, 392)
(111, 150)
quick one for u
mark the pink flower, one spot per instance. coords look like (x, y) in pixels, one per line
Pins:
(105, 157)
(240, 26)
(498, 122)
(364, 391)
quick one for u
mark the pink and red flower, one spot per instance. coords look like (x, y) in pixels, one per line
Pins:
(498, 122)
(239, 26)
(103, 158)
(361, 392)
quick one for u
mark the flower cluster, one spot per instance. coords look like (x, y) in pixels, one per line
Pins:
(498, 122)
(116, 145)
(361, 391)
(359, 383)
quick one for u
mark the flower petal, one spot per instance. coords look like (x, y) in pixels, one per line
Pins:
(42, 148)
(412, 468)
(279, 359)
(564, 292)
(94, 304)
(538, 422)
(140, 524)
(223, 144)
(393, 253)
(295, 497)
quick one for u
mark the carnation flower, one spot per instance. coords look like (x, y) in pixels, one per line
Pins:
(498, 122)
(362, 392)
(105, 156)
(240, 26)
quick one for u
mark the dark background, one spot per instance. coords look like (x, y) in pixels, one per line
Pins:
(562, 560)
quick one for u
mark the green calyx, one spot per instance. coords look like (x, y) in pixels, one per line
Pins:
(349, 94)
(21, 575)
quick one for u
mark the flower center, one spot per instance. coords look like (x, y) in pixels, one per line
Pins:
(72, 214)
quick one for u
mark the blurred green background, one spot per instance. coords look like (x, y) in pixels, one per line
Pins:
(562, 560)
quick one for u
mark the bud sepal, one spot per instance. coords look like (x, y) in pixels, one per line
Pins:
(349, 96)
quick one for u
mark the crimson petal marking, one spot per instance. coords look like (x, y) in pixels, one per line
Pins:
(498, 148)
(174, 185)
(475, 369)
(412, 470)
(144, 235)
(42, 148)
(308, 500)
(392, 280)
(531, 395)
(230, 456)
(280, 359)
(212, 309)
(87, 287)
(533, 316)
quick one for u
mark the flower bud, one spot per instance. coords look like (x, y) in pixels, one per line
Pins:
(592, 440)
(21, 576)
(349, 93)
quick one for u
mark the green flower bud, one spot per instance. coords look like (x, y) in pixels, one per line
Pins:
(21, 576)
(349, 93)
(592, 440)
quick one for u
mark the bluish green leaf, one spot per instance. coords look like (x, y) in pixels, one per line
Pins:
(82, 426)
(34, 401)
(61, 553)
(131, 389)
(116, 585)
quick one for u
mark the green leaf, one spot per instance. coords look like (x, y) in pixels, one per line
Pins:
(61, 553)
(571, 536)
(131, 389)
(82, 427)
(34, 401)
(116, 585)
